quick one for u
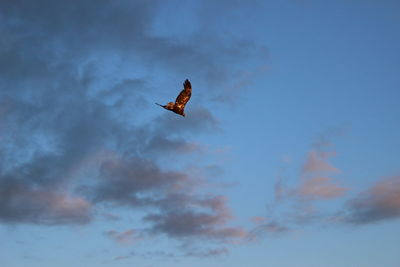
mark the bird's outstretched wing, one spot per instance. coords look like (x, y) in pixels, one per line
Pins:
(183, 97)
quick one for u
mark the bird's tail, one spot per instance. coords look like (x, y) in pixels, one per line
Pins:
(187, 84)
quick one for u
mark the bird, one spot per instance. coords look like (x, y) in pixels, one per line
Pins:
(179, 106)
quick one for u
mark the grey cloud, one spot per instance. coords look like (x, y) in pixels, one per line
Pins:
(148, 255)
(83, 29)
(274, 227)
(379, 203)
(124, 257)
(124, 237)
(20, 203)
(199, 120)
(269, 228)
(191, 252)
(76, 79)
(208, 253)
(134, 182)
(164, 144)
(110, 216)
(182, 220)
(168, 134)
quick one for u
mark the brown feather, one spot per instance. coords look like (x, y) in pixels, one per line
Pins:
(181, 100)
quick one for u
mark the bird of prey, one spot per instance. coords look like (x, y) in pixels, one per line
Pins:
(179, 106)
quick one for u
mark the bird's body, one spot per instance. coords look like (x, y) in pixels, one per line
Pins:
(179, 106)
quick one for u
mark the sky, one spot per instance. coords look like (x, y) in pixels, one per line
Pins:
(288, 154)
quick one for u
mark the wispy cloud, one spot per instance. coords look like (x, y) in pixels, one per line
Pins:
(208, 253)
(296, 198)
(313, 181)
(319, 188)
(125, 237)
(295, 205)
(267, 228)
(317, 161)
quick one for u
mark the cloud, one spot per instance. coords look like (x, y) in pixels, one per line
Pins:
(379, 203)
(59, 108)
(258, 219)
(147, 255)
(127, 181)
(125, 237)
(208, 253)
(319, 188)
(77, 134)
(20, 203)
(297, 199)
(317, 162)
(118, 258)
(203, 218)
(191, 252)
(313, 183)
(163, 144)
(110, 216)
(199, 120)
(267, 228)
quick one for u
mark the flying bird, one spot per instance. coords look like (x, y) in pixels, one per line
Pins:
(179, 106)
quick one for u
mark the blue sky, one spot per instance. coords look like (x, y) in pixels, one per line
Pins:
(288, 155)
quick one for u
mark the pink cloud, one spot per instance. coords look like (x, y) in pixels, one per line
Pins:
(380, 202)
(320, 188)
(318, 162)
(21, 203)
(68, 205)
